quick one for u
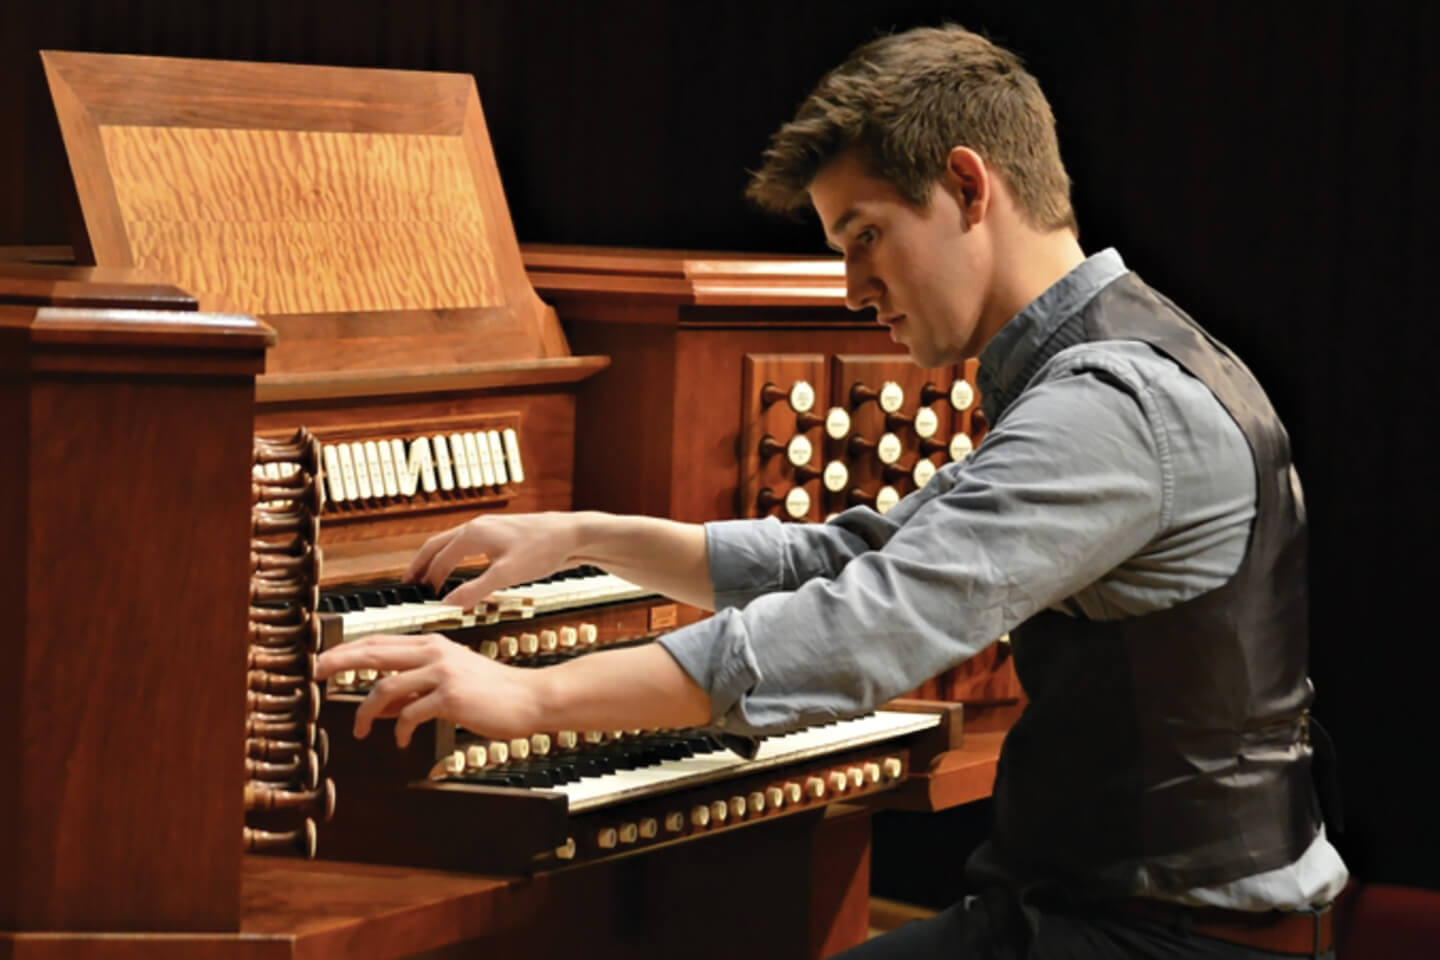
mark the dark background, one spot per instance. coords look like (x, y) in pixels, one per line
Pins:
(1271, 166)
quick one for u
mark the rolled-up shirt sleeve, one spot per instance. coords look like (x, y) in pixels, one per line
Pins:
(829, 620)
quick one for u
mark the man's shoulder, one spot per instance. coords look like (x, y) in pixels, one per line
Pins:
(1132, 367)
(1133, 362)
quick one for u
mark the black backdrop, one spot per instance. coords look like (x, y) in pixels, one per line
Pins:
(1272, 166)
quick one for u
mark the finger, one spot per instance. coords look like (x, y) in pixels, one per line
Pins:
(468, 595)
(374, 652)
(446, 560)
(386, 696)
(420, 563)
(425, 708)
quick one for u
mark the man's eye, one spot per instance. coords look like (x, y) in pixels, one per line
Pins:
(865, 237)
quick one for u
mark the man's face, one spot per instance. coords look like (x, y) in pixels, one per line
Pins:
(923, 271)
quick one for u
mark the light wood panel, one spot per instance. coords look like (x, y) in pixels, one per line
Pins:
(287, 221)
(357, 197)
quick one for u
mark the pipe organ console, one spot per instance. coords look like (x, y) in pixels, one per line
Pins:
(418, 379)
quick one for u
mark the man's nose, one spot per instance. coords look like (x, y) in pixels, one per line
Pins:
(861, 289)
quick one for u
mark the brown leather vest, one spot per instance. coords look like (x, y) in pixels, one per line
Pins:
(1176, 741)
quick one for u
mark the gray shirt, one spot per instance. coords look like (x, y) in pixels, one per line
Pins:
(1115, 485)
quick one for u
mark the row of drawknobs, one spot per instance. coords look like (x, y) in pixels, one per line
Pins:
(285, 752)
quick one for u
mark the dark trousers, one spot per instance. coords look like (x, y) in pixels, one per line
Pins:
(994, 927)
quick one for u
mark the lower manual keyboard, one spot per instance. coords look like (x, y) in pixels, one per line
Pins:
(599, 790)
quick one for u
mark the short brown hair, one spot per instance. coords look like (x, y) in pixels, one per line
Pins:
(904, 101)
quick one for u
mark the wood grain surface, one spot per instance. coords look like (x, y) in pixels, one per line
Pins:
(290, 221)
(128, 629)
(285, 190)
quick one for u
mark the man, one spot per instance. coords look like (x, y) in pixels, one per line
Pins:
(1132, 519)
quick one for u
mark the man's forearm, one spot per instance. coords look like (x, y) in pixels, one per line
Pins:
(635, 688)
(663, 555)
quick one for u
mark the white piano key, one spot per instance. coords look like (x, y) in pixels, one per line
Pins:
(461, 462)
(387, 469)
(420, 448)
(377, 477)
(512, 456)
(441, 448)
(487, 466)
(333, 477)
(351, 475)
(407, 476)
(497, 455)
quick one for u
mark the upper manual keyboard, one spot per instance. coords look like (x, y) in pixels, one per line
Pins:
(414, 608)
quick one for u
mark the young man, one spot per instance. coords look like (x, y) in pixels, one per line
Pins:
(1132, 519)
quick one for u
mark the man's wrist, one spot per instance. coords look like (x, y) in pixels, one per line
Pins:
(543, 699)
(586, 534)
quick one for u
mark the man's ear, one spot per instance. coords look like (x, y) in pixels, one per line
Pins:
(968, 181)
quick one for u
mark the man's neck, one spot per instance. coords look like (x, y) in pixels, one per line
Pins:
(1027, 268)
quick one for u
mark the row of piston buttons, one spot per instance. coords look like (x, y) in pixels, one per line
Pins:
(796, 501)
(702, 815)
(888, 449)
(546, 641)
(890, 397)
(836, 479)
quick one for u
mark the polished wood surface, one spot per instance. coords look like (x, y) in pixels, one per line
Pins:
(686, 277)
(116, 580)
(77, 286)
(408, 380)
(956, 777)
(325, 198)
(655, 907)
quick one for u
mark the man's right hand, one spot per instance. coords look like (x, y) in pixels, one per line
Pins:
(521, 547)
(661, 555)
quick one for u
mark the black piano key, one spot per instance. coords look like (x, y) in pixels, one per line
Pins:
(409, 593)
(566, 771)
(606, 759)
(495, 779)
(354, 602)
(585, 765)
(535, 777)
(426, 591)
(373, 598)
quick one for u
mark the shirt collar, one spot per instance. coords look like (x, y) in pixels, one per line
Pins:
(1028, 339)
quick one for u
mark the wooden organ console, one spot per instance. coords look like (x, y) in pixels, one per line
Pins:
(360, 215)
